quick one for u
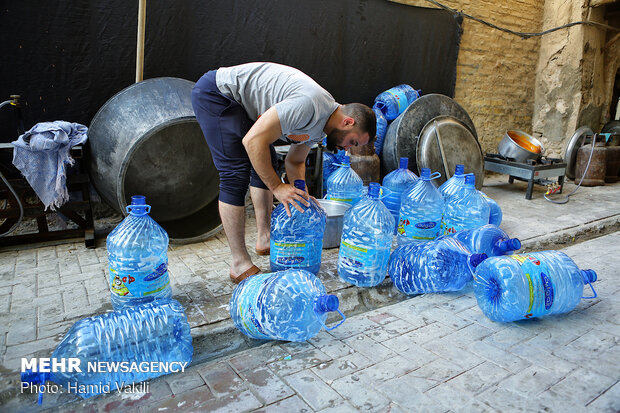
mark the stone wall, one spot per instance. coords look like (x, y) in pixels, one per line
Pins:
(496, 71)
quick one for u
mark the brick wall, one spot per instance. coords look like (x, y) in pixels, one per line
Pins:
(496, 71)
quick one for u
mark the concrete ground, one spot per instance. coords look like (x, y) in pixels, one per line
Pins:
(434, 352)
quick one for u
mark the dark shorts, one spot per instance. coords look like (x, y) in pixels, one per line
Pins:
(224, 123)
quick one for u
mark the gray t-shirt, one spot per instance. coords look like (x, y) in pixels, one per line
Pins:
(302, 105)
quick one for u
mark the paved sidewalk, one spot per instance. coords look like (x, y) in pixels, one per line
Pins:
(44, 290)
(431, 353)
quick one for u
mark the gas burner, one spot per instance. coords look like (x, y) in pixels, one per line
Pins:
(533, 171)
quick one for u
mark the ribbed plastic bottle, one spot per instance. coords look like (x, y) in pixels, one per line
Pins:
(156, 332)
(452, 185)
(382, 124)
(289, 305)
(345, 185)
(138, 260)
(395, 100)
(297, 241)
(397, 182)
(329, 167)
(431, 267)
(516, 287)
(421, 210)
(366, 241)
(488, 239)
(465, 208)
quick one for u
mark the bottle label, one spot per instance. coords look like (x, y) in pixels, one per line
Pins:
(139, 283)
(450, 228)
(292, 254)
(355, 257)
(247, 304)
(542, 291)
(401, 99)
(425, 230)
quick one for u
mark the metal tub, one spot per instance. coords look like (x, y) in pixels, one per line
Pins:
(333, 226)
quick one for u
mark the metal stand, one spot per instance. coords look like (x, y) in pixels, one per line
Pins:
(531, 173)
(79, 212)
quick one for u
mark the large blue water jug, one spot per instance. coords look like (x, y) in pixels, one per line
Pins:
(515, 287)
(367, 234)
(434, 266)
(397, 182)
(331, 162)
(488, 239)
(138, 260)
(152, 334)
(421, 210)
(453, 184)
(382, 124)
(345, 185)
(297, 241)
(465, 208)
(289, 305)
(394, 101)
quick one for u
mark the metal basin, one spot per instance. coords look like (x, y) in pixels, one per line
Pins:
(520, 146)
(333, 225)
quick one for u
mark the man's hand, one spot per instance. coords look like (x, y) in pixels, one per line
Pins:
(288, 194)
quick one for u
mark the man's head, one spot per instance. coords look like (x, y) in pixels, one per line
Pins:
(353, 124)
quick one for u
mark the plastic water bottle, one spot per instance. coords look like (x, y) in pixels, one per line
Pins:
(397, 182)
(465, 209)
(289, 305)
(514, 287)
(297, 241)
(366, 241)
(137, 255)
(382, 124)
(329, 167)
(155, 332)
(345, 185)
(495, 213)
(421, 210)
(431, 267)
(453, 184)
(394, 101)
(488, 239)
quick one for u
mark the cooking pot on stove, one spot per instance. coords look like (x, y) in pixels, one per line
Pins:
(520, 146)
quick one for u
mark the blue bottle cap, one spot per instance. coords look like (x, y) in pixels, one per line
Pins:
(514, 244)
(425, 174)
(459, 170)
(476, 259)
(138, 206)
(589, 276)
(404, 162)
(300, 184)
(374, 189)
(326, 303)
(470, 180)
(138, 200)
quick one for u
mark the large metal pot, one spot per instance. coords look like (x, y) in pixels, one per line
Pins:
(146, 140)
(520, 146)
(333, 225)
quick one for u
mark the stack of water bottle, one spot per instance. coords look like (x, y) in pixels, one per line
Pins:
(388, 106)
(147, 326)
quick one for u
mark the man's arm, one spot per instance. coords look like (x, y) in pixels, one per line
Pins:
(295, 162)
(264, 132)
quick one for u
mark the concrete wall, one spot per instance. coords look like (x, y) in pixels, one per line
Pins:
(496, 71)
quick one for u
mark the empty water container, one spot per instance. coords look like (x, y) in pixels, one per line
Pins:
(137, 256)
(394, 101)
(331, 162)
(435, 266)
(515, 287)
(488, 239)
(366, 241)
(289, 305)
(345, 185)
(454, 183)
(465, 208)
(397, 182)
(421, 210)
(153, 334)
(382, 124)
(297, 241)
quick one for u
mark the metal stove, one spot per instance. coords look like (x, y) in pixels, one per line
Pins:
(532, 171)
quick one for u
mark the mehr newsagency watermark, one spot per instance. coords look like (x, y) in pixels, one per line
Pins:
(75, 367)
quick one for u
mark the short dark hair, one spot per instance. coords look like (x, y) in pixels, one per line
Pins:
(364, 117)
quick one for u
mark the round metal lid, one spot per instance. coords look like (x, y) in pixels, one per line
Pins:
(570, 154)
(445, 142)
(402, 135)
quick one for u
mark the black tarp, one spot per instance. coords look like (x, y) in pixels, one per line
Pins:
(66, 58)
